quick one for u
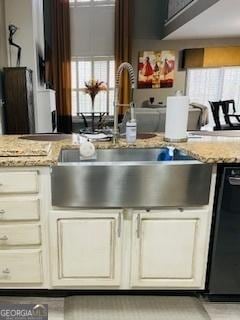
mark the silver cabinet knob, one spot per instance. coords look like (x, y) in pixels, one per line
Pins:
(5, 238)
(2, 211)
(6, 271)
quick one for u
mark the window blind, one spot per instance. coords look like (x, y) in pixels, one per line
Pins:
(214, 84)
(92, 41)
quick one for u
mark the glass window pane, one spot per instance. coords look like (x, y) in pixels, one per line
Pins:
(100, 104)
(111, 74)
(85, 104)
(100, 70)
(204, 85)
(84, 72)
(111, 100)
(103, 70)
(74, 103)
(231, 86)
(74, 74)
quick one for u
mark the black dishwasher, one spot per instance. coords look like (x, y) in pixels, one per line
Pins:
(224, 266)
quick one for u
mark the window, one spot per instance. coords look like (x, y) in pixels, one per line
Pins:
(214, 84)
(98, 68)
(92, 47)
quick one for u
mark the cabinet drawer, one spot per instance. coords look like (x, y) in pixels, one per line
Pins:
(20, 235)
(19, 209)
(18, 182)
(20, 266)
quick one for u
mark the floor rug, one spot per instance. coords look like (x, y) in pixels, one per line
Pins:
(134, 308)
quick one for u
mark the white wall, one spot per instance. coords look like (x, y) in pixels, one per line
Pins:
(19, 13)
(27, 15)
(180, 76)
(3, 48)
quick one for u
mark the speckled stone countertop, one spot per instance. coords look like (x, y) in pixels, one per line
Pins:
(18, 153)
(10, 145)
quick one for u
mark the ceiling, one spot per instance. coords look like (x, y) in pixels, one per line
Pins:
(222, 20)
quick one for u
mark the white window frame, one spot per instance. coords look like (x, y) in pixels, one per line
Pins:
(78, 89)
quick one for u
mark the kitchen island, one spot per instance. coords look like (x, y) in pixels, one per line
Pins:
(20, 153)
(47, 247)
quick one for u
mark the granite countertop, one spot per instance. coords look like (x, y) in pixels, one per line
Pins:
(10, 145)
(15, 152)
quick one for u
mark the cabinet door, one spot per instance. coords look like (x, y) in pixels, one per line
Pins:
(86, 248)
(169, 249)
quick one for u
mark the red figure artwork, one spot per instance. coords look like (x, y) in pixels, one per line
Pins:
(156, 69)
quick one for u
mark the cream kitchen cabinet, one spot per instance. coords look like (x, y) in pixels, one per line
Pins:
(19, 209)
(86, 248)
(20, 235)
(22, 267)
(24, 207)
(169, 249)
(18, 182)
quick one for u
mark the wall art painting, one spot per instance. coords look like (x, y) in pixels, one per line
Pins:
(156, 69)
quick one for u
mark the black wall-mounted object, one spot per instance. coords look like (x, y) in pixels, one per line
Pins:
(18, 101)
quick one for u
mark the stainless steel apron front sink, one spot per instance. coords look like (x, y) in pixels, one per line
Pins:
(130, 178)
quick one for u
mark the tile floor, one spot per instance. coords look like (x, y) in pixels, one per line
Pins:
(216, 311)
(223, 311)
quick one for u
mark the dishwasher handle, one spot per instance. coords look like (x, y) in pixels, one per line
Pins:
(234, 181)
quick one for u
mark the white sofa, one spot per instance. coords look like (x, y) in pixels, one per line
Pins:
(153, 119)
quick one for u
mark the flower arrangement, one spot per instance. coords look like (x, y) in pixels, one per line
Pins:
(93, 87)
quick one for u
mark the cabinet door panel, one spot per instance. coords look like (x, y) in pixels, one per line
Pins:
(86, 248)
(164, 255)
(169, 249)
(92, 256)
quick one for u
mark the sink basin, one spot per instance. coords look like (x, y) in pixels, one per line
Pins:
(130, 178)
(127, 155)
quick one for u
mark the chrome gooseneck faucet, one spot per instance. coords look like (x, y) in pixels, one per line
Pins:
(124, 66)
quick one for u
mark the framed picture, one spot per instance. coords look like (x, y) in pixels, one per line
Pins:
(156, 69)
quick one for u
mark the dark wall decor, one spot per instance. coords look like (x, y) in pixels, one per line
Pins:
(18, 97)
(12, 30)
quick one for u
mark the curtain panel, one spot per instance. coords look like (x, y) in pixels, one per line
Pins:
(123, 45)
(58, 60)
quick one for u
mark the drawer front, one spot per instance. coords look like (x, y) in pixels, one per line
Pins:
(18, 182)
(20, 235)
(19, 209)
(20, 266)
